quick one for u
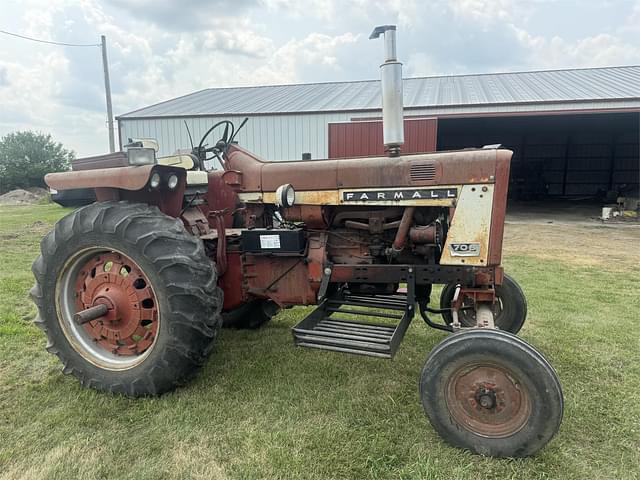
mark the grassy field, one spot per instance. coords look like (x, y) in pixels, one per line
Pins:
(262, 408)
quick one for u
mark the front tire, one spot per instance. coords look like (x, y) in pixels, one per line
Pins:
(490, 392)
(511, 306)
(159, 286)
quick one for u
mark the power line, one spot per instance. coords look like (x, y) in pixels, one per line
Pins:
(51, 42)
(105, 66)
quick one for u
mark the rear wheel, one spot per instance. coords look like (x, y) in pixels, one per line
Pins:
(153, 285)
(250, 316)
(490, 392)
(510, 312)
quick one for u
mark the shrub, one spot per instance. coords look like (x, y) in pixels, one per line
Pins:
(25, 158)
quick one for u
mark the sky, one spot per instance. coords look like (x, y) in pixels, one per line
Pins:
(163, 49)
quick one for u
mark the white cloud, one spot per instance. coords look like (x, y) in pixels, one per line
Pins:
(158, 51)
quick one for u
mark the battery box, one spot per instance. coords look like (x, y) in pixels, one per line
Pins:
(273, 240)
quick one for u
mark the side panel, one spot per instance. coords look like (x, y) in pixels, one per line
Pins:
(499, 212)
(285, 280)
(468, 237)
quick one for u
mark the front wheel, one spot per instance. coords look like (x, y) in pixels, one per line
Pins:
(127, 298)
(490, 392)
(511, 306)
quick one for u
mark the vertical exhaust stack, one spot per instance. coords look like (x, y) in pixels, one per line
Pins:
(391, 80)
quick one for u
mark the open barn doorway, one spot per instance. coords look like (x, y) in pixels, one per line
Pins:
(563, 164)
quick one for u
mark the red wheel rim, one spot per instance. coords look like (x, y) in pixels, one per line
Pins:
(488, 400)
(131, 324)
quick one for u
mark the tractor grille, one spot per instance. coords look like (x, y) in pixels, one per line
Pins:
(421, 172)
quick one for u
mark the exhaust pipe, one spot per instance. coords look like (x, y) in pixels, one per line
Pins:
(391, 80)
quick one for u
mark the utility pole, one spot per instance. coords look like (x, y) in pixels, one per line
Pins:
(107, 91)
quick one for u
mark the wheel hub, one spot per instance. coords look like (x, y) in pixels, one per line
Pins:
(131, 322)
(488, 400)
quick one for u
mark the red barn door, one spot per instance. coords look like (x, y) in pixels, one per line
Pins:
(358, 139)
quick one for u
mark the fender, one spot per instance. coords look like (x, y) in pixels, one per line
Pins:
(126, 183)
(125, 178)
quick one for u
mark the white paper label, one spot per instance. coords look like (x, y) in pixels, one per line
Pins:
(269, 241)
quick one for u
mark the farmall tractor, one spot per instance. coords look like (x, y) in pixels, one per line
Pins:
(133, 289)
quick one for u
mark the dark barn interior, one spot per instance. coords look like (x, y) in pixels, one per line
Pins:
(557, 156)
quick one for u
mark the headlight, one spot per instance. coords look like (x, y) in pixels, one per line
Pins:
(141, 156)
(172, 181)
(285, 196)
(155, 180)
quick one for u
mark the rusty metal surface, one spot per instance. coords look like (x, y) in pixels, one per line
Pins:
(126, 178)
(403, 229)
(195, 221)
(285, 280)
(311, 215)
(90, 314)
(499, 212)
(109, 160)
(488, 399)
(396, 273)
(232, 282)
(319, 185)
(220, 196)
(470, 225)
(130, 323)
(168, 201)
(241, 160)
(450, 168)
(425, 234)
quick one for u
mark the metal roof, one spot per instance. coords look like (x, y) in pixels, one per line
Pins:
(574, 85)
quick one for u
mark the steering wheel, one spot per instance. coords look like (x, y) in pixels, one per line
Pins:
(219, 148)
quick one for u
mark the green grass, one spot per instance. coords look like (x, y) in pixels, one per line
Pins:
(262, 408)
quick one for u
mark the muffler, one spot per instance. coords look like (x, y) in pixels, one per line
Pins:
(391, 80)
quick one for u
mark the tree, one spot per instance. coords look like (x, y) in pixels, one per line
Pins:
(26, 157)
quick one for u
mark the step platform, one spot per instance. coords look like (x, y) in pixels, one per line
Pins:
(372, 325)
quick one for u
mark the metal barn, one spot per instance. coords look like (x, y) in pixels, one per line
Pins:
(574, 132)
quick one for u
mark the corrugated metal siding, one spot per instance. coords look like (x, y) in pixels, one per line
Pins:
(277, 137)
(590, 84)
(354, 139)
(309, 132)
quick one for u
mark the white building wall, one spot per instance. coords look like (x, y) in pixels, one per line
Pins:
(287, 137)
(273, 137)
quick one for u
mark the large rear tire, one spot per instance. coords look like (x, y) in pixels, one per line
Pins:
(490, 392)
(511, 306)
(159, 287)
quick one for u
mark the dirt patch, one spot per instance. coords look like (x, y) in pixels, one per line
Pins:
(618, 248)
(39, 192)
(23, 197)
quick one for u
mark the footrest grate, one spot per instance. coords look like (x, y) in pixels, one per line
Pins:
(338, 324)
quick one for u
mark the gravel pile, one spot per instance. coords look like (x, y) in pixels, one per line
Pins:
(23, 197)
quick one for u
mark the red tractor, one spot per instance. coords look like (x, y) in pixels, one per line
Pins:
(133, 289)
